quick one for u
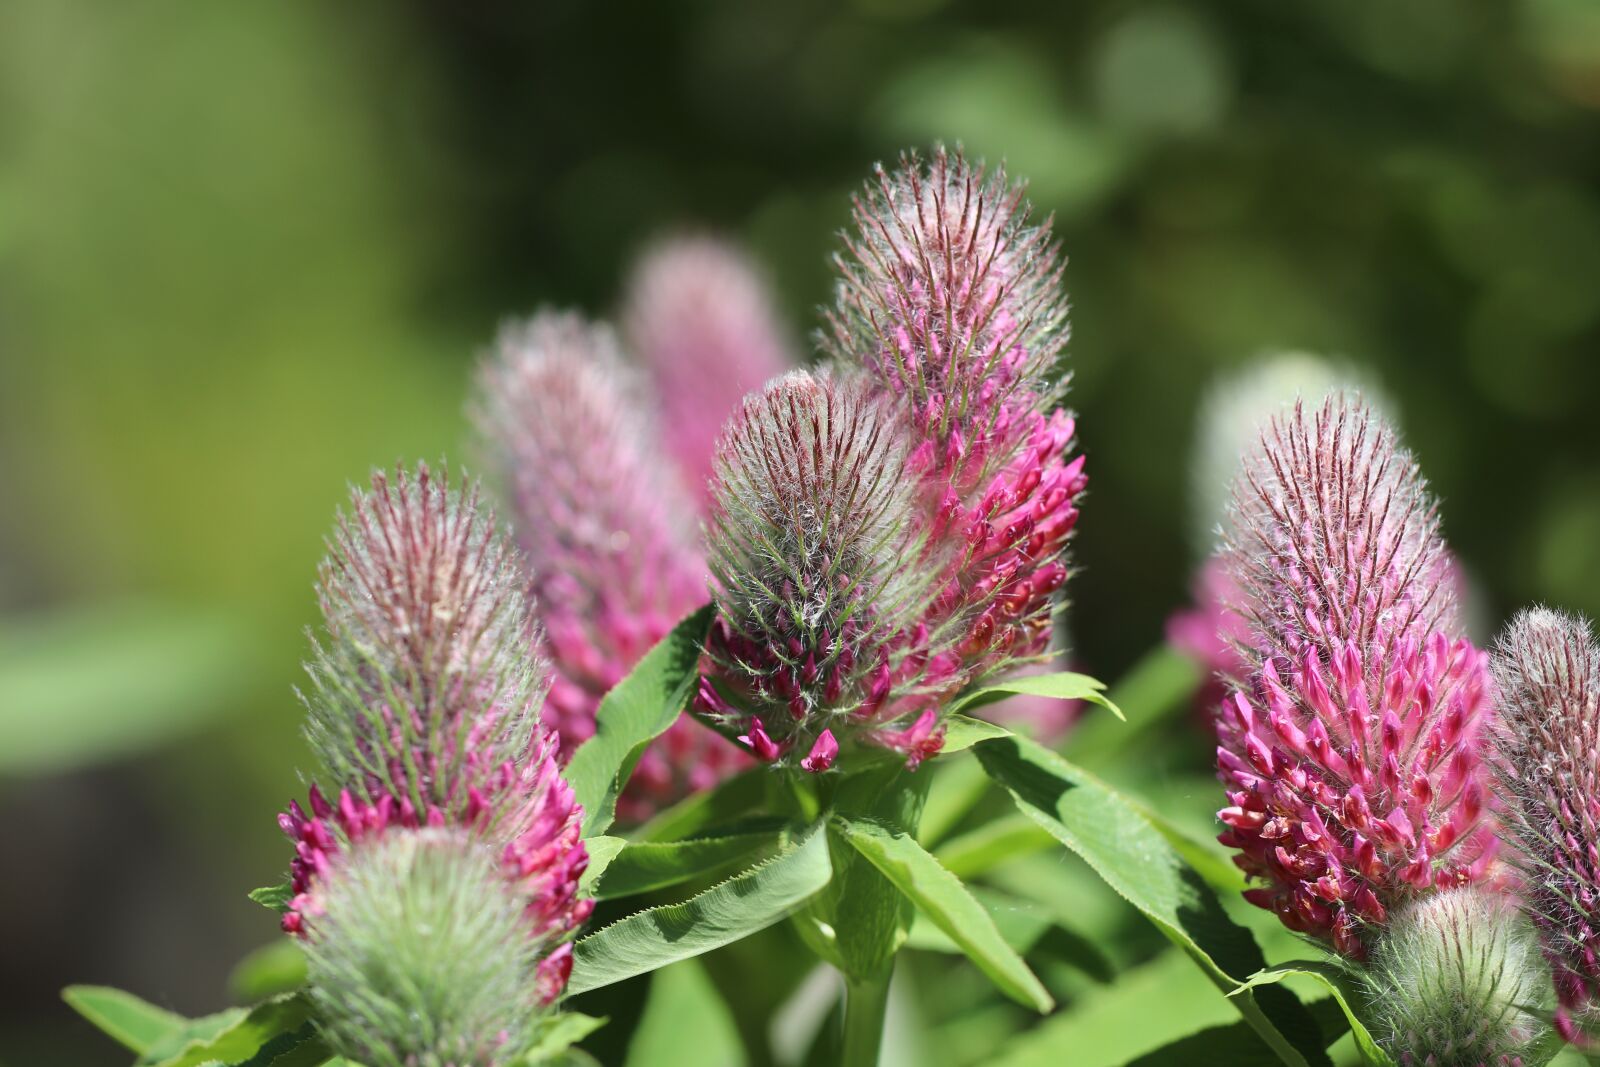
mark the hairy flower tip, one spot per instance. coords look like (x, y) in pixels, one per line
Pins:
(1350, 745)
(952, 301)
(526, 814)
(1455, 981)
(1546, 758)
(699, 315)
(1235, 409)
(425, 688)
(818, 573)
(607, 527)
(419, 955)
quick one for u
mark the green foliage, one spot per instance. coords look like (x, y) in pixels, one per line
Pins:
(276, 967)
(1139, 862)
(1062, 685)
(940, 896)
(1333, 978)
(751, 901)
(135, 1023)
(636, 711)
(645, 866)
(257, 1037)
(274, 897)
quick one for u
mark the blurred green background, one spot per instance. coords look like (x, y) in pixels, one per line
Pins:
(249, 251)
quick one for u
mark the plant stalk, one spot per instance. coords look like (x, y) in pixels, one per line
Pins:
(866, 1002)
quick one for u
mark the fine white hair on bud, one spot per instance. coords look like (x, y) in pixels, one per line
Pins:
(419, 955)
(425, 687)
(1456, 981)
(1546, 759)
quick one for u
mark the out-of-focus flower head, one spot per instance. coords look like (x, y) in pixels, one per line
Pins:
(1455, 980)
(1547, 769)
(817, 565)
(953, 303)
(423, 707)
(1351, 744)
(607, 527)
(699, 316)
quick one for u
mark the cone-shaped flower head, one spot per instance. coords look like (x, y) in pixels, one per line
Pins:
(1451, 982)
(954, 305)
(419, 955)
(1350, 747)
(424, 703)
(608, 530)
(700, 318)
(816, 562)
(1547, 769)
(425, 689)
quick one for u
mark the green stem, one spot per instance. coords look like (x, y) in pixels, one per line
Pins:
(866, 1001)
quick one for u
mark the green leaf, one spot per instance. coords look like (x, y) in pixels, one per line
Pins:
(644, 866)
(274, 897)
(940, 896)
(958, 786)
(559, 1032)
(1139, 862)
(961, 732)
(276, 967)
(101, 682)
(1063, 685)
(602, 850)
(995, 842)
(135, 1023)
(1022, 923)
(638, 710)
(1331, 977)
(722, 914)
(729, 801)
(267, 1030)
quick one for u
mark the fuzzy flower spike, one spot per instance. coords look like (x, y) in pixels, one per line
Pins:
(1350, 744)
(608, 529)
(951, 300)
(1547, 768)
(815, 558)
(424, 703)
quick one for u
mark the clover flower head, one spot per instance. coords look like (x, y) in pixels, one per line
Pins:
(1350, 744)
(700, 318)
(817, 568)
(423, 707)
(607, 528)
(1546, 759)
(953, 303)
(424, 688)
(419, 955)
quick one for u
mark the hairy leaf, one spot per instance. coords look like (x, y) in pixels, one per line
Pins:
(1062, 685)
(638, 710)
(722, 914)
(644, 866)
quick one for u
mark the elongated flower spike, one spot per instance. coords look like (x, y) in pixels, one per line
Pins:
(1454, 982)
(699, 317)
(1547, 772)
(419, 955)
(815, 559)
(1351, 745)
(424, 702)
(608, 530)
(950, 300)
